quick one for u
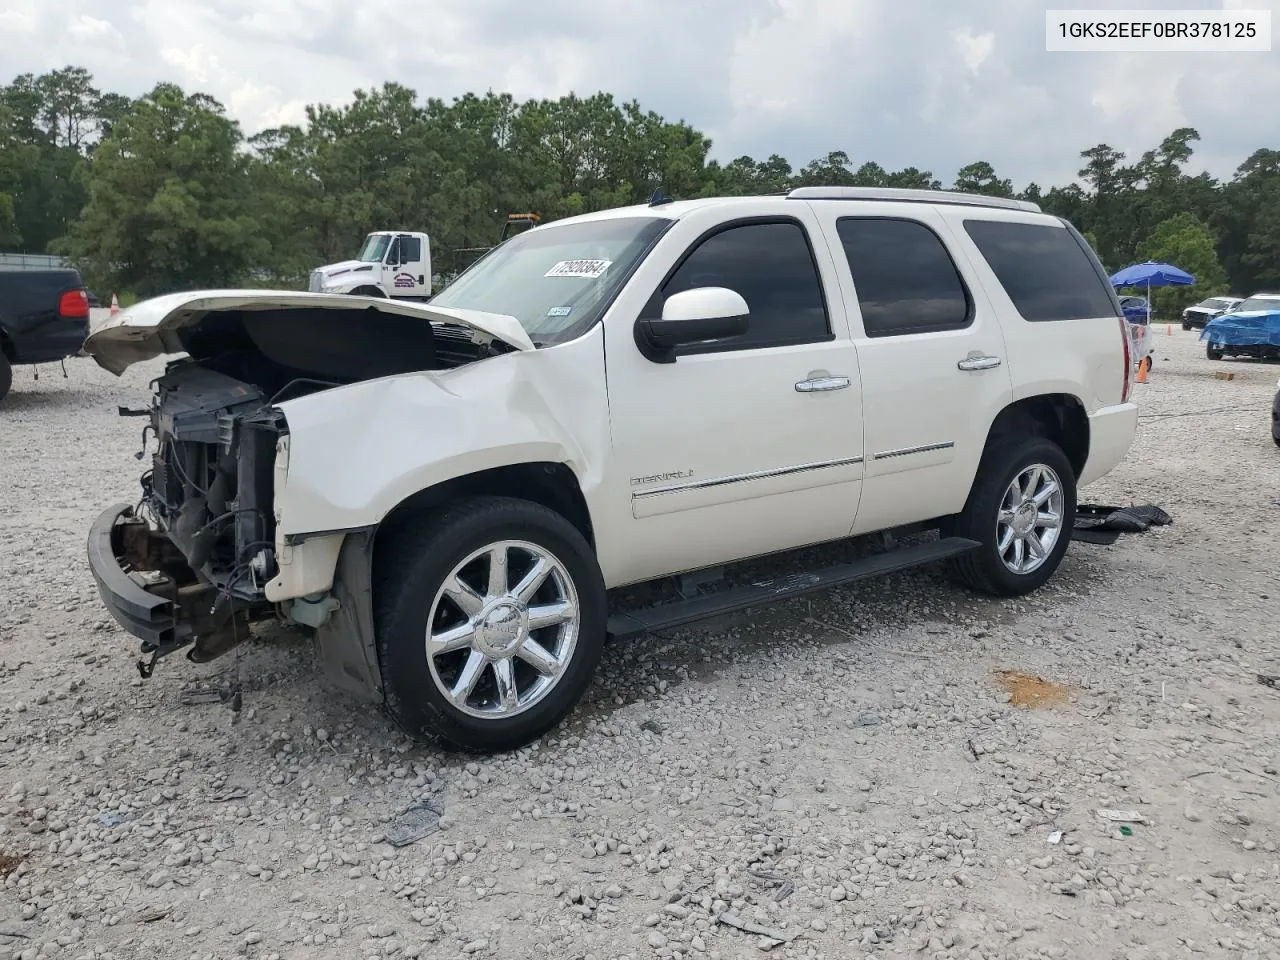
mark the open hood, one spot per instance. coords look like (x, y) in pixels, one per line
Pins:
(150, 329)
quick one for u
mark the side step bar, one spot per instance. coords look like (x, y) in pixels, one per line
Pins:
(677, 613)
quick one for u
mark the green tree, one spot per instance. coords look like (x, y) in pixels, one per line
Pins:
(1186, 243)
(168, 201)
(1248, 224)
(980, 177)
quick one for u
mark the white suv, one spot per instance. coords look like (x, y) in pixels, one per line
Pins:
(446, 493)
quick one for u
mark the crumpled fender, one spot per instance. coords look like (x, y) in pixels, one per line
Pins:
(356, 452)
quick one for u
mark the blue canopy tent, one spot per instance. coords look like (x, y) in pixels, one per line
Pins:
(1151, 274)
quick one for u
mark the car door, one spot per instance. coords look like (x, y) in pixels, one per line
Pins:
(410, 276)
(932, 359)
(748, 445)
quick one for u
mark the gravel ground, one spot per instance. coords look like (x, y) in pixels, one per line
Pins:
(845, 772)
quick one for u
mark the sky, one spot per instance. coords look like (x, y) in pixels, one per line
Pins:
(933, 84)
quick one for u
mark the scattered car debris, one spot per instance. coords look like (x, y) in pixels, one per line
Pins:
(1055, 837)
(1103, 525)
(231, 793)
(1122, 816)
(1269, 680)
(151, 916)
(112, 819)
(731, 918)
(418, 821)
(784, 885)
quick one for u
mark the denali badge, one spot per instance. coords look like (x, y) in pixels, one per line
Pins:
(659, 477)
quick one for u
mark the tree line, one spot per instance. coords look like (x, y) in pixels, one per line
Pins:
(165, 192)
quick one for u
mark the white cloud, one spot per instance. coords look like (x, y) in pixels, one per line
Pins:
(930, 83)
(974, 48)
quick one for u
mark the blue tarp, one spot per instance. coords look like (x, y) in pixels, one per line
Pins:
(1253, 329)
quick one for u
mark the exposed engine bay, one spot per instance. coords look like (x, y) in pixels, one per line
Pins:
(202, 535)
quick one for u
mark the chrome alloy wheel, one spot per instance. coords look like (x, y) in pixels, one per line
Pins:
(502, 629)
(1030, 519)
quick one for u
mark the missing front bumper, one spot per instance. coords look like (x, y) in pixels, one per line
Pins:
(149, 590)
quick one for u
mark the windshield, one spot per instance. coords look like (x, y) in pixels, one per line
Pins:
(374, 247)
(1258, 303)
(1216, 303)
(555, 280)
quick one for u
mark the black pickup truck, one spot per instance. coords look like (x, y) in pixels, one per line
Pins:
(44, 317)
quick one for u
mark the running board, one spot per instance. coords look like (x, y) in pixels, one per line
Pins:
(678, 613)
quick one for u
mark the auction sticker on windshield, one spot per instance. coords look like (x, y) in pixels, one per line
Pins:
(587, 269)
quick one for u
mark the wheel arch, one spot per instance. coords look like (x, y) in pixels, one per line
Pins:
(1059, 417)
(552, 485)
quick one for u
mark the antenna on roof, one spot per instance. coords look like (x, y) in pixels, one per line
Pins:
(659, 198)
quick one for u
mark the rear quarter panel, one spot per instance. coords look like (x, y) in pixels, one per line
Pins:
(1083, 358)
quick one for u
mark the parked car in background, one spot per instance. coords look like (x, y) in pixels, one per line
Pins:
(1135, 309)
(1275, 416)
(44, 318)
(1204, 311)
(1252, 329)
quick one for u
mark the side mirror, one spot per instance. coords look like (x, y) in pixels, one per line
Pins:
(692, 316)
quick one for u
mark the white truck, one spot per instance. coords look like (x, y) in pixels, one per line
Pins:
(396, 264)
(449, 494)
(393, 264)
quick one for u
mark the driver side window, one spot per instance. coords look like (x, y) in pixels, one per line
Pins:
(771, 265)
(393, 253)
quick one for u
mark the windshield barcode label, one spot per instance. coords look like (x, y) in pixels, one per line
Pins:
(588, 269)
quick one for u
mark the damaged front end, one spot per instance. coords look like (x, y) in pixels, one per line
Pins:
(197, 558)
(201, 540)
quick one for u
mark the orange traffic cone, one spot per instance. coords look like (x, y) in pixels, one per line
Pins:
(115, 305)
(1144, 365)
(1168, 330)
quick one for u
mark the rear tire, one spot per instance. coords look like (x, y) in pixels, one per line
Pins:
(1186, 325)
(1021, 484)
(1213, 352)
(6, 376)
(462, 664)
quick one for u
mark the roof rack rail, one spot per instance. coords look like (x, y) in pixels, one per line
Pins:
(911, 196)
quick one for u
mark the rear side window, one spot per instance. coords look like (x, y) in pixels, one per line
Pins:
(771, 266)
(905, 278)
(1044, 270)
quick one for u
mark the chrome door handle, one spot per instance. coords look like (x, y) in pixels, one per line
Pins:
(820, 384)
(979, 363)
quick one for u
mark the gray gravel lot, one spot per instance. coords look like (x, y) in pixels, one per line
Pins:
(844, 771)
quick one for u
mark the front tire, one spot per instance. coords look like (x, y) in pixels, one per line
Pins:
(1212, 351)
(369, 292)
(490, 620)
(1021, 510)
(1186, 325)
